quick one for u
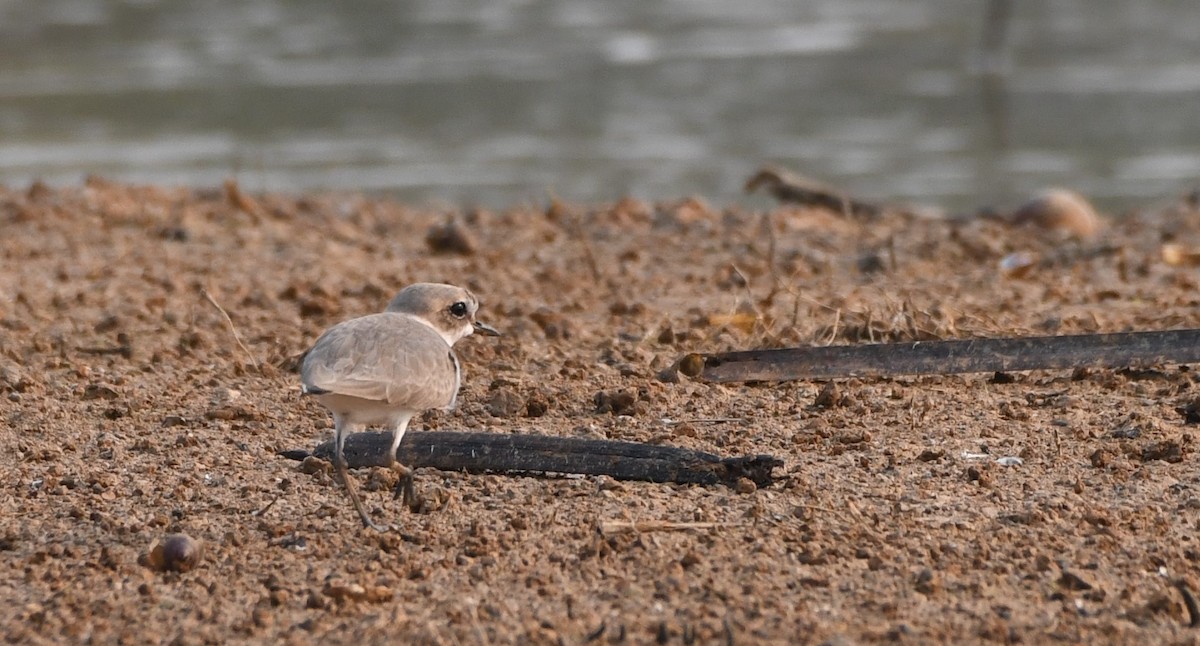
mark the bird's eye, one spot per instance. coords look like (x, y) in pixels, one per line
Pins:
(458, 310)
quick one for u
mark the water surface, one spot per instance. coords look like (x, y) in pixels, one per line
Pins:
(494, 103)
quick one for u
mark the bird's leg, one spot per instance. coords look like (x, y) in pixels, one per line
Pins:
(339, 464)
(405, 487)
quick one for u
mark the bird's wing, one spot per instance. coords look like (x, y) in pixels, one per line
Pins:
(383, 357)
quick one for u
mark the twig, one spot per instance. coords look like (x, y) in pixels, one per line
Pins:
(232, 328)
(772, 267)
(790, 187)
(701, 420)
(265, 509)
(589, 256)
(760, 319)
(833, 332)
(642, 526)
(595, 634)
(1189, 602)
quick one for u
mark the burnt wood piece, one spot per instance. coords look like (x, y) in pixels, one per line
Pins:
(542, 454)
(1114, 350)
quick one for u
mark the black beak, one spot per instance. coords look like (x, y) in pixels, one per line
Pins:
(484, 328)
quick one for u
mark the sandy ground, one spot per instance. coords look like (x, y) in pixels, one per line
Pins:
(130, 412)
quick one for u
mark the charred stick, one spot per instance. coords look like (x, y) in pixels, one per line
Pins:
(1115, 350)
(542, 454)
(1189, 602)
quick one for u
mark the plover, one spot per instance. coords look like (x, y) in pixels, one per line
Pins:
(385, 368)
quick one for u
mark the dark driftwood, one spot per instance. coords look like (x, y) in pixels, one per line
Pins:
(542, 454)
(1116, 350)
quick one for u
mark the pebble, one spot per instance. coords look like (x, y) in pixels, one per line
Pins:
(451, 238)
(504, 402)
(342, 591)
(1018, 264)
(1060, 210)
(175, 553)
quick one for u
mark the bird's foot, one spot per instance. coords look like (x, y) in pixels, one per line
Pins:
(406, 488)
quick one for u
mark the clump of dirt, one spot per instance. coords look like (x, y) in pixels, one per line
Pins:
(149, 337)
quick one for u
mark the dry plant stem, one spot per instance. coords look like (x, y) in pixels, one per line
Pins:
(797, 189)
(772, 266)
(267, 507)
(589, 256)
(232, 328)
(1189, 602)
(833, 332)
(642, 526)
(760, 319)
(541, 454)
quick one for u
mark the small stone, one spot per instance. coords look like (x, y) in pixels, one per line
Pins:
(504, 402)
(669, 375)
(225, 396)
(828, 397)
(930, 455)
(691, 365)
(536, 406)
(685, 429)
(1071, 581)
(175, 553)
(261, 617)
(379, 594)
(451, 238)
(108, 324)
(745, 486)
(313, 464)
(317, 306)
(99, 391)
(926, 583)
(1167, 451)
(871, 263)
(1177, 255)
(618, 403)
(231, 413)
(1190, 411)
(1061, 211)
(554, 325)
(339, 590)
